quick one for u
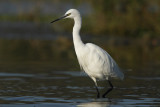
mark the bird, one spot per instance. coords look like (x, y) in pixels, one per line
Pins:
(93, 60)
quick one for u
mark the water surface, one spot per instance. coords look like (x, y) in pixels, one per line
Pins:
(39, 87)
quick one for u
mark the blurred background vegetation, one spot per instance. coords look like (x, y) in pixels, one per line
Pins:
(129, 30)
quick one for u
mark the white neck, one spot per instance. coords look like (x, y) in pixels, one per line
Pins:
(76, 29)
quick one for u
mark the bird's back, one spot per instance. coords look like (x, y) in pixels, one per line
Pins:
(97, 63)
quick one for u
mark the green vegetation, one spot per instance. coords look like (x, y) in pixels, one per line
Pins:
(112, 17)
(127, 17)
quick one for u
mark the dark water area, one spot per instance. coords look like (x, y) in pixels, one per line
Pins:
(40, 85)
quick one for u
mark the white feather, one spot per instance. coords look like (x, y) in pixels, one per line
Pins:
(98, 63)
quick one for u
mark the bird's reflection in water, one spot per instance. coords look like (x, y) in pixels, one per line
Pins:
(94, 104)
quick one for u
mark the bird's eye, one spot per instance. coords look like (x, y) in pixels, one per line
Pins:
(68, 14)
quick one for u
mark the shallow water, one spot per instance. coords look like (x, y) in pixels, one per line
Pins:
(23, 87)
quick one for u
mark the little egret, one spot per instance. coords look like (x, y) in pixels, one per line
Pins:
(95, 61)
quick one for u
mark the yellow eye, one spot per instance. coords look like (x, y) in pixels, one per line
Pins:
(68, 14)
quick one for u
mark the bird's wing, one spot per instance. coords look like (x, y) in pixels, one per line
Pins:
(103, 61)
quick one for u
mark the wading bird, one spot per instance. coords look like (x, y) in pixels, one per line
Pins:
(95, 61)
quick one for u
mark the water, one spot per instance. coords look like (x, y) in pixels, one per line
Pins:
(42, 86)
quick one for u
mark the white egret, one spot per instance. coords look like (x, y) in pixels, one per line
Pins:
(95, 61)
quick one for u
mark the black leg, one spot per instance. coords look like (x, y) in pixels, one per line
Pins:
(110, 89)
(98, 94)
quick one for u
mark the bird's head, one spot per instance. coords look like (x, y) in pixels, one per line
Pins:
(71, 13)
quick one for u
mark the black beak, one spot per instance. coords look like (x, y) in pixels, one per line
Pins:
(59, 18)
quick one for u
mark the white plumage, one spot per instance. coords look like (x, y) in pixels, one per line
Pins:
(95, 61)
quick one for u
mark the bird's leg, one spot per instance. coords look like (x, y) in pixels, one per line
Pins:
(110, 89)
(98, 94)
